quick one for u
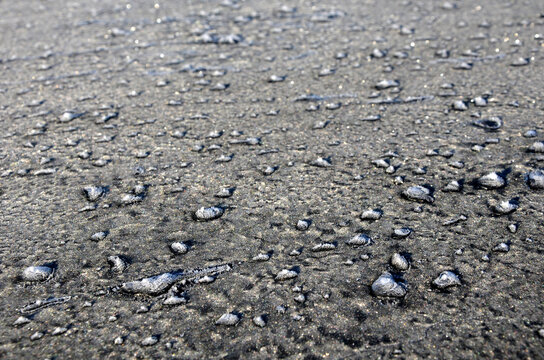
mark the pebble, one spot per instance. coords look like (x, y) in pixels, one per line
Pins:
(37, 335)
(459, 105)
(419, 193)
(322, 162)
(286, 274)
(69, 116)
(360, 240)
(228, 319)
(150, 340)
(502, 247)
(179, 248)
(386, 285)
(402, 232)
(21, 320)
(209, 213)
(174, 299)
(536, 147)
(446, 279)
(386, 84)
(324, 247)
(493, 123)
(505, 207)
(261, 257)
(118, 263)
(452, 186)
(99, 236)
(535, 179)
(225, 193)
(38, 273)
(303, 225)
(530, 134)
(372, 214)
(491, 181)
(260, 320)
(399, 262)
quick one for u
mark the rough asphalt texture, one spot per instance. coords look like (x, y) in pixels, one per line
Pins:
(153, 103)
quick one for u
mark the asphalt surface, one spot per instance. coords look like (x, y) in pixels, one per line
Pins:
(238, 148)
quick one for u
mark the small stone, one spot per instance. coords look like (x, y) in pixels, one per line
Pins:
(360, 240)
(520, 61)
(38, 273)
(491, 181)
(493, 123)
(386, 84)
(513, 228)
(536, 147)
(535, 179)
(225, 193)
(502, 247)
(118, 340)
(419, 193)
(402, 232)
(69, 116)
(324, 247)
(179, 248)
(206, 280)
(300, 298)
(372, 214)
(210, 213)
(459, 105)
(59, 331)
(386, 285)
(446, 279)
(505, 207)
(93, 193)
(399, 262)
(21, 320)
(530, 134)
(286, 274)
(173, 299)
(322, 162)
(117, 263)
(37, 335)
(261, 257)
(453, 186)
(150, 340)
(99, 236)
(228, 319)
(303, 225)
(260, 320)
(295, 252)
(480, 101)
(269, 170)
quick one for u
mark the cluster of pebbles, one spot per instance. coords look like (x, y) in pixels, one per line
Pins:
(361, 179)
